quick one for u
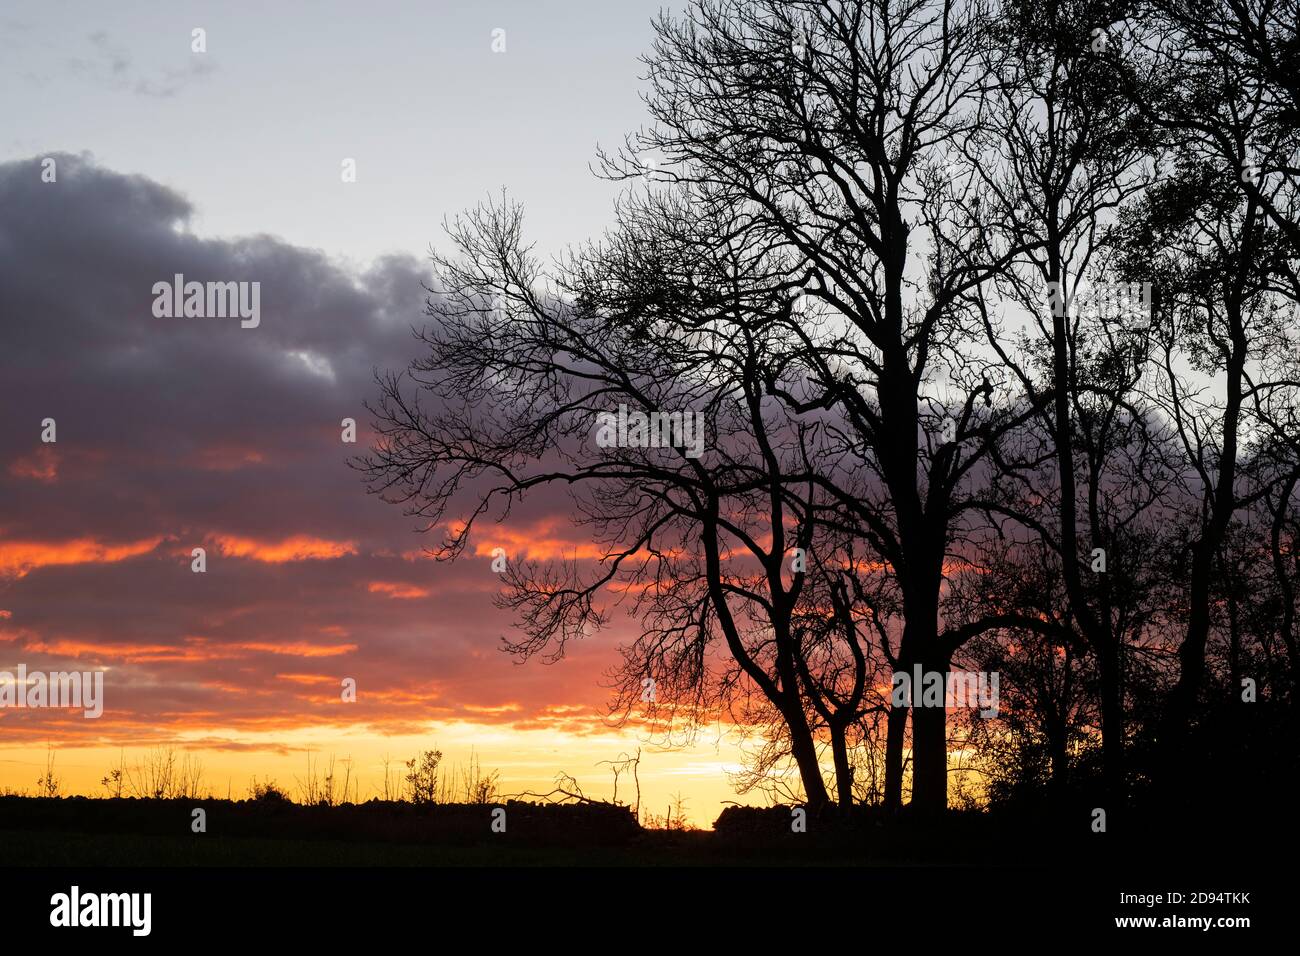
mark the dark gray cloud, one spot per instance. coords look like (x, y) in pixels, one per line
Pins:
(78, 261)
(182, 432)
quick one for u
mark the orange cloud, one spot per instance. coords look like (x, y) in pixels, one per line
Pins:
(398, 590)
(125, 651)
(193, 649)
(17, 558)
(496, 711)
(299, 547)
(42, 465)
(308, 678)
(539, 541)
(294, 649)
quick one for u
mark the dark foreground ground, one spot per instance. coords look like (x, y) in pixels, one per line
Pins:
(76, 832)
(328, 873)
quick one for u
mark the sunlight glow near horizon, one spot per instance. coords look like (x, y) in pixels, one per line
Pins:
(528, 760)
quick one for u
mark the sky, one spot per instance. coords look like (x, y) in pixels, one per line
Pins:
(177, 433)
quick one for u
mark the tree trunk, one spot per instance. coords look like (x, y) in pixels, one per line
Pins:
(895, 737)
(804, 751)
(843, 772)
(1191, 653)
(1112, 722)
(930, 747)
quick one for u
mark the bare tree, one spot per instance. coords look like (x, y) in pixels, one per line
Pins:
(834, 124)
(857, 254)
(1223, 225)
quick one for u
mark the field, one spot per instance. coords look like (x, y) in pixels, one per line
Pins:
(78, 831)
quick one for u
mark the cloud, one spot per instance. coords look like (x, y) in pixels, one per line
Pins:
(180, 433)
(299, 547)
(108, 64)
(397, 590)
(20, 557)
(41, 465)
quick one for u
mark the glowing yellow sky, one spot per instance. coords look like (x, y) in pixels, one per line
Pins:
(526, 759)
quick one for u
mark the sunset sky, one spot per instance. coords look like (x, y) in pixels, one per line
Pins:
(181, 433)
